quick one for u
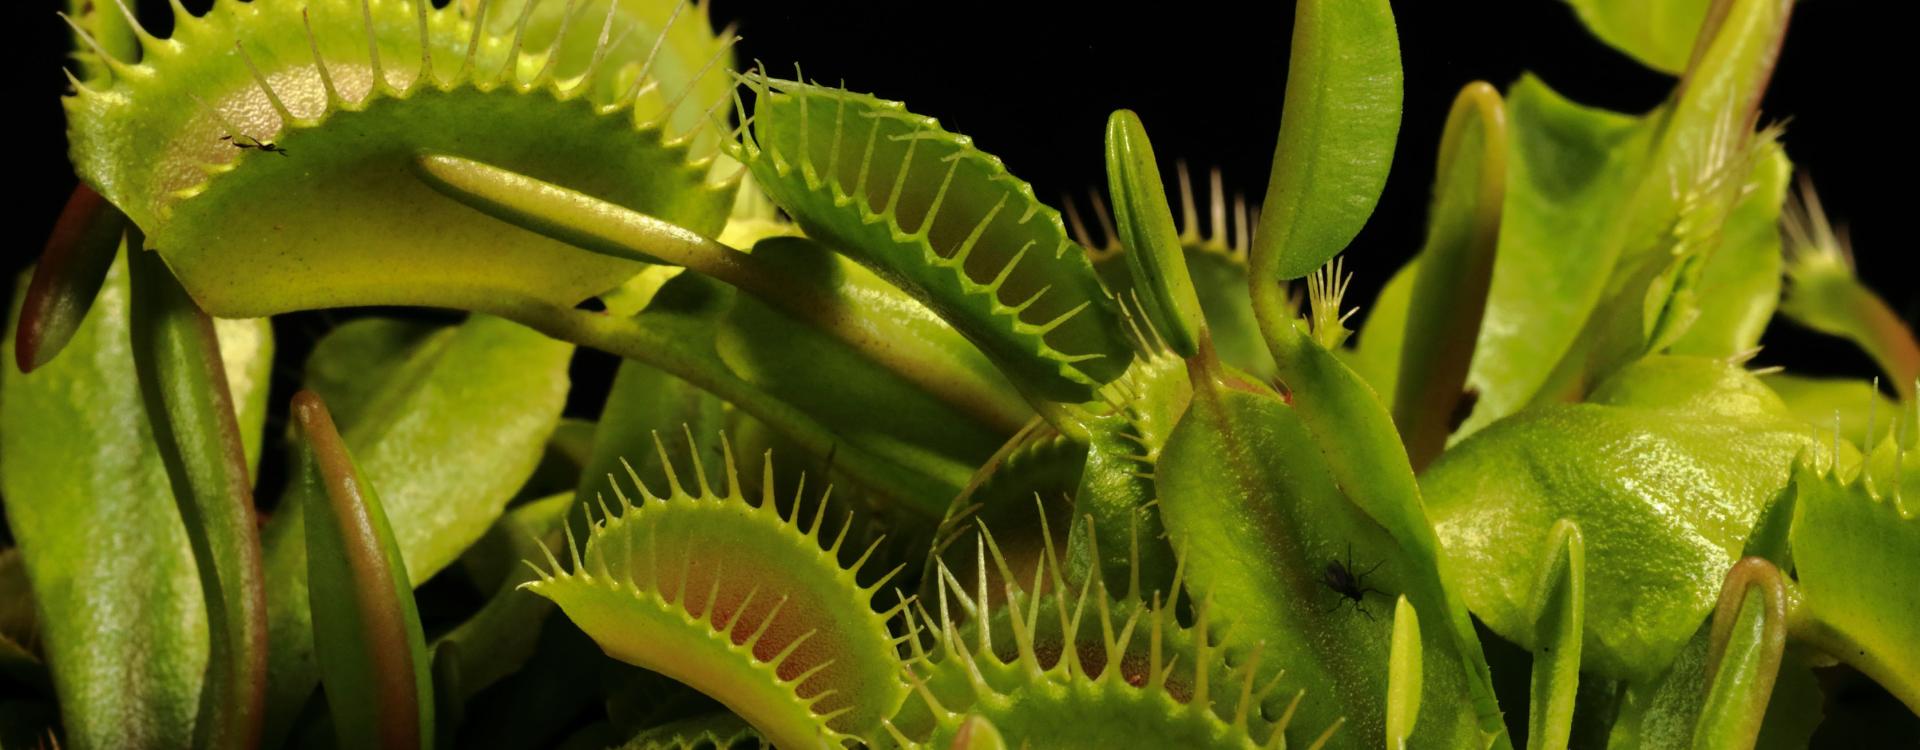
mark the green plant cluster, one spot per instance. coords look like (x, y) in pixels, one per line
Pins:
(898, 455)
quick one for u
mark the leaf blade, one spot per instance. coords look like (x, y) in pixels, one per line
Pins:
(1145, 221)
(1337, 133)
(176, 354)
(367, 633)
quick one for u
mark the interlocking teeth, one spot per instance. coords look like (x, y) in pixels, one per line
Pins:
(944, 221)
(742, 601)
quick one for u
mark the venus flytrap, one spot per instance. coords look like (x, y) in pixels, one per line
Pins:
(1026, 482)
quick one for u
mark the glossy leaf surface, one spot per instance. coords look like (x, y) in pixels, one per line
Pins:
(115, 590)
(1666, 471)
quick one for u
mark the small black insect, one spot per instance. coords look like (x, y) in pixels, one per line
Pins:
(1349, 585)
(254, 143)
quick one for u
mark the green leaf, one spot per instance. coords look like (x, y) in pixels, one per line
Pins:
(1663, 712)
(176, 354)
(1375, 355)
(1403, 674)
(67, 277)
(1749, 636)
(1252, 507)
(1865, 415)
(1666, 473)
(1824, 293)
(87, 497)
(366, 632)
(1740, 286)
(611, 229)
(363, 360)
(1842, 530)
(1559, 624)
(1337, 131)
(1613, 223)
(834, 383)
(722, 594)
(449, 434)
(1658, 33)
(348, 152)
(1336, 142)
(1449, 295)
(499, 639)
(1145, 221)
(1698, 155)
(1566, 167)
(944, 221)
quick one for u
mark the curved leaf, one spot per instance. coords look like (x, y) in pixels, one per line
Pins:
(1261, 522)
(176, 354)
(255, 133)
(1658, 33)
(1403, 674)
(1841, 529)
(366, 632)
(124, 633)
(1566, 167)
(1749, 636)
(944, 221)
(1825, 294)
(1337, 132)
(1449, 296)
(744, 602)
(1666, 473)
(68, 277)
(1145, 221)
(1559, 623)
(449, 434)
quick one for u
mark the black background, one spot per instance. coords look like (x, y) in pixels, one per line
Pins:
(1034, 81)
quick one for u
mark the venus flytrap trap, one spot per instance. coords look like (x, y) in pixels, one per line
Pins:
(1025, 481)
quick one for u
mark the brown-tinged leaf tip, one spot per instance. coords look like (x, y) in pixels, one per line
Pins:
(71, 269)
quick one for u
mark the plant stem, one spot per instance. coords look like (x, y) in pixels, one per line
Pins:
(610, 229)
(635, 339)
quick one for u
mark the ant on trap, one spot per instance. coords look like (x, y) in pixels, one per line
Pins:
(1349, 585)
(254, 143)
